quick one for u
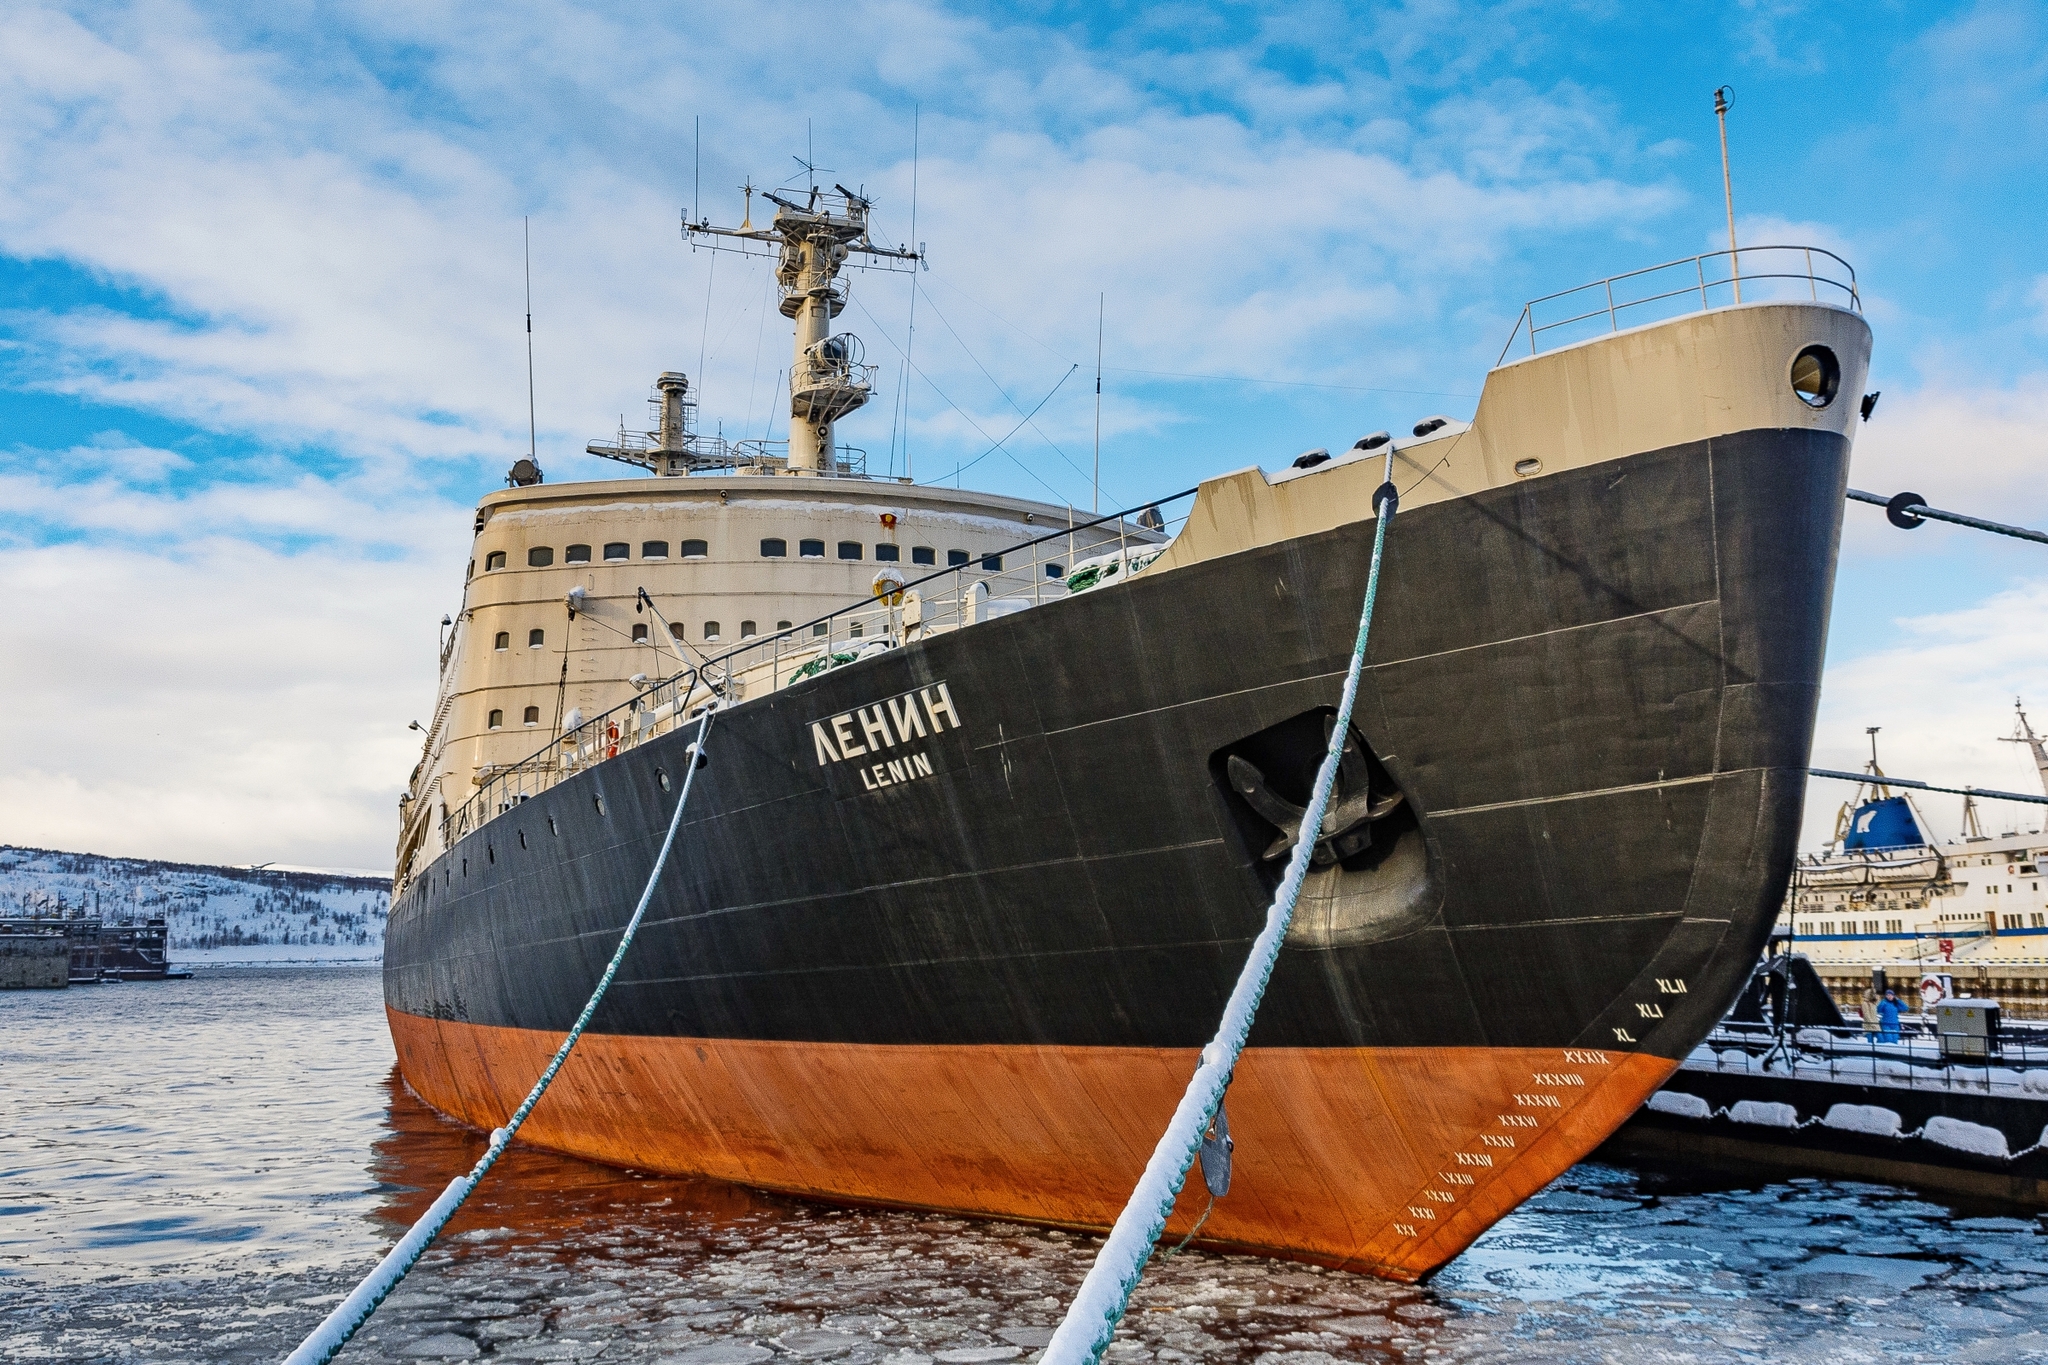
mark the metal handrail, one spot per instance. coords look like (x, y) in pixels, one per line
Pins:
(684, 694)
(1612, 308)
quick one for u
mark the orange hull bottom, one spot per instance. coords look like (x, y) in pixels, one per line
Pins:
(1384, 1160)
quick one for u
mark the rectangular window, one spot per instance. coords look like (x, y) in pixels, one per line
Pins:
(711, 630)
(618, 549)
(532, 718)
(748, 630)
(774, 548)
(1055, 570)
(494, 560)
(640, 633)
(654, 549)
(497, 720)
(576, 554)
(695, 549)
(923, 554)
(849, 549)
(539, 557)
(888, 554)
(820, 628)
(955, 558)
(811, 549)
(991, 563)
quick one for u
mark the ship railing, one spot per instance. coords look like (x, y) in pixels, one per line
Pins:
(905, 608)
(1914, 1059)
(1692, 284)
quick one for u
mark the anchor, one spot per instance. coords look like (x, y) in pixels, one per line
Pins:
(1347, 825)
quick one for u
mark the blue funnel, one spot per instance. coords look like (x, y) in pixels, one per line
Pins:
(1884, 824)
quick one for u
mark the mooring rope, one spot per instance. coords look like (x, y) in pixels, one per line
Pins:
(1091, 1321)
(352, 1312)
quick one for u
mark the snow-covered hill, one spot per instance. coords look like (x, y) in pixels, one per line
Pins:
(214, 915)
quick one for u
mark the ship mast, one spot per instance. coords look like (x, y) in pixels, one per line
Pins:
(814, 239)
(2023, 733)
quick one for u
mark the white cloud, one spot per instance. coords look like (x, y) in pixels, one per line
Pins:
(230, 704)
(1966, 448)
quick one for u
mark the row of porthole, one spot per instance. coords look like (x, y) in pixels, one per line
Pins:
(542, 556)
(537, 638)
(597, 799)
(772, 547)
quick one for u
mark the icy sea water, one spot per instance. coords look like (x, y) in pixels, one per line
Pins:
(197, 1170)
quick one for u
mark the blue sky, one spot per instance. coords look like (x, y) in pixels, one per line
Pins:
(261, 337)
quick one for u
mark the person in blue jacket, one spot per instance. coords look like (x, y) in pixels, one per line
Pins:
(1888, 1011)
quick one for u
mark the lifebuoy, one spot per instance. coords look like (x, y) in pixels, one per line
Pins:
(1931, 993)
(611, 735)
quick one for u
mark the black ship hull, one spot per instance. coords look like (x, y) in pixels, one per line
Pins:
(945, 927)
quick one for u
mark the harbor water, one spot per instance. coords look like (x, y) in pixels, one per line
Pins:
(198, 1170)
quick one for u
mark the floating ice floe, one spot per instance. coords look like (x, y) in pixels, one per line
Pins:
(1681, 1104)
(1764, 1113)
(1965, 1137)
(1872, 1119)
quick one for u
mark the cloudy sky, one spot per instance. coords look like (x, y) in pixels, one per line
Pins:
(262, 332)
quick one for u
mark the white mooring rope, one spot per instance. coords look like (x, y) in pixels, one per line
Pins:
(352, 1312)
(1091, 1321)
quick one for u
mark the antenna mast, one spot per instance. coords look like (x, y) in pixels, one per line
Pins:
(1101, 302)
(532, 430)
(813, 240)
(1722, 104)
(2023, 733)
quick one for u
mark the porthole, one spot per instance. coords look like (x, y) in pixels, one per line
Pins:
(490, 853)
(1816, 376)
(551, 827)
(598, 801)
(1524, 468)
(522, 838)
(662, 778)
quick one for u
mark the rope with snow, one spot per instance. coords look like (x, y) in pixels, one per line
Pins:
(352, 1312)
(1091, 1321)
